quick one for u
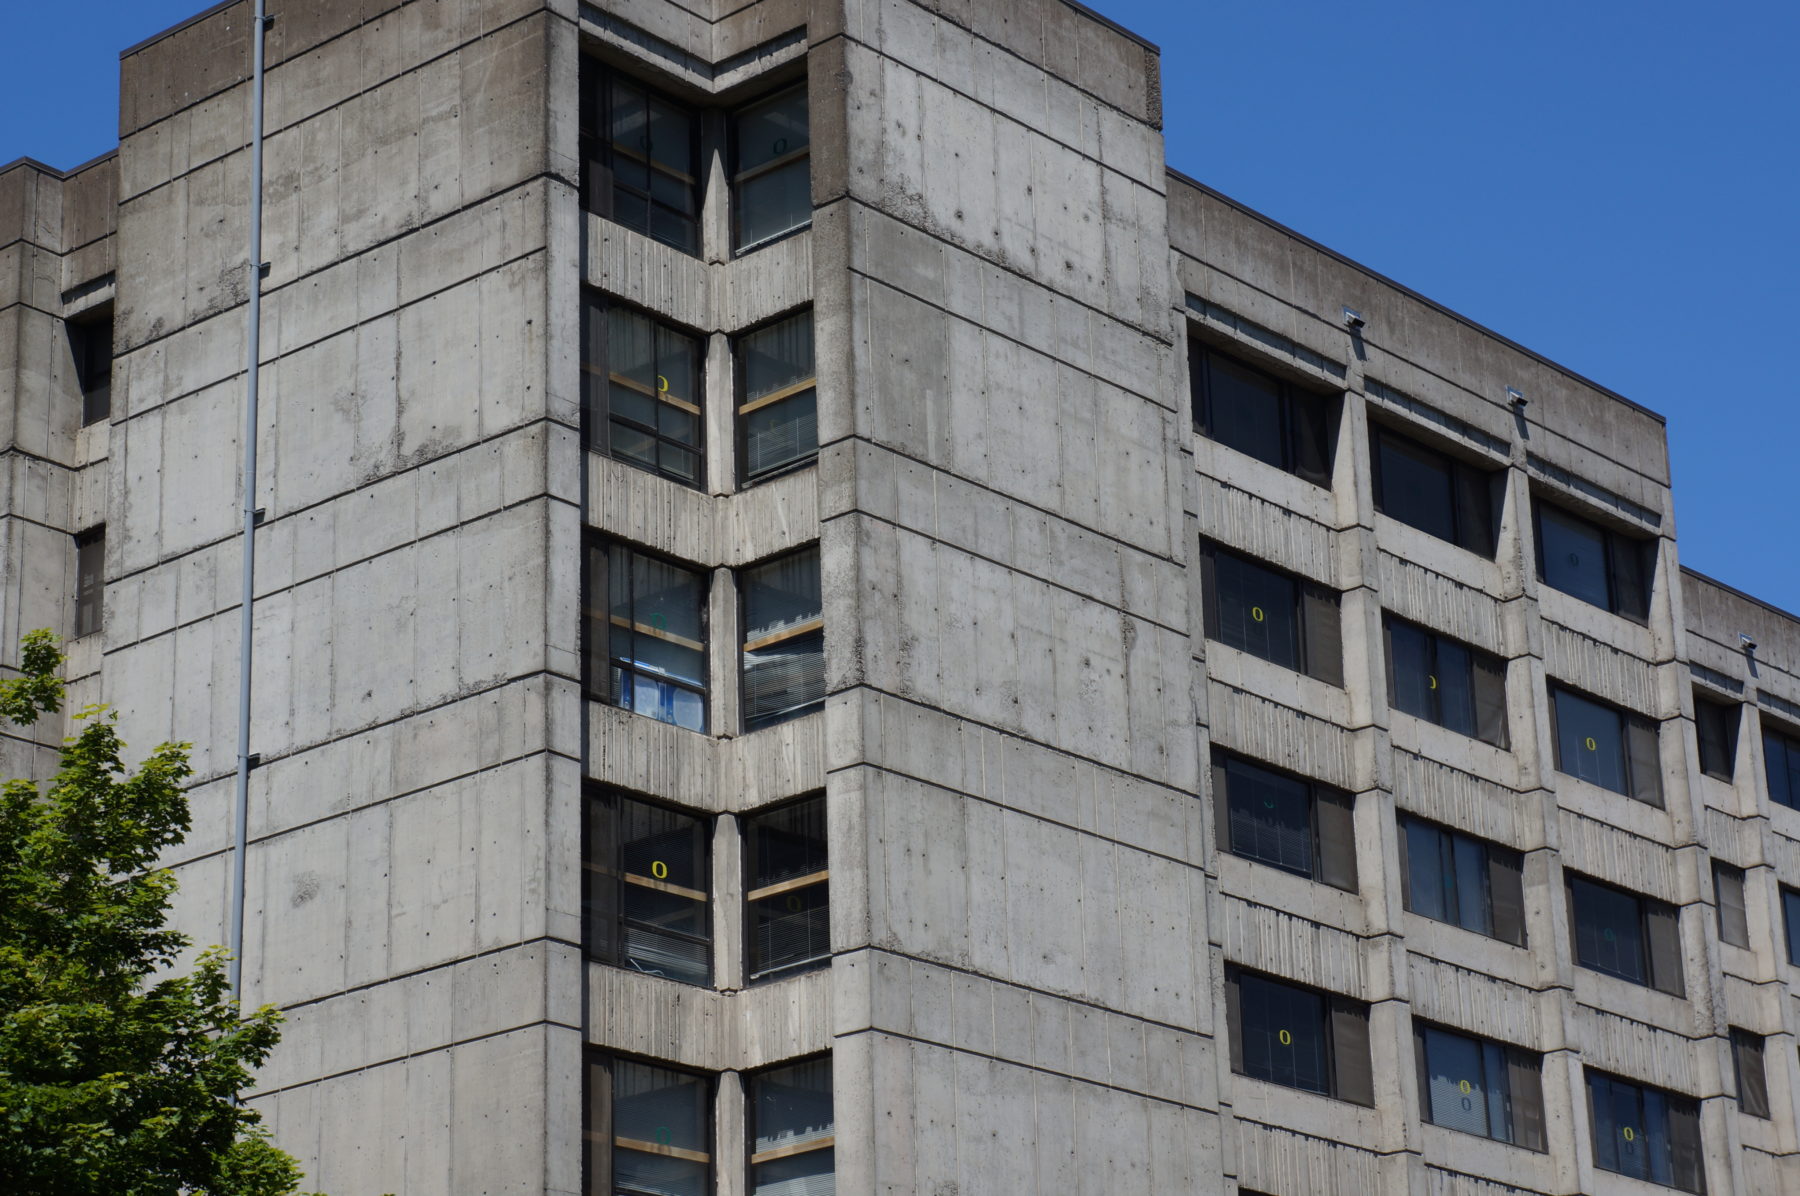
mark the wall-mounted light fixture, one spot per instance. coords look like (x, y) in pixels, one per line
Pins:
(1353, 318)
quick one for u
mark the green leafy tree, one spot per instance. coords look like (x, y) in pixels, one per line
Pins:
(112, 1080)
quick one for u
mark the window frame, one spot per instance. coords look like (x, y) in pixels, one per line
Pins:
(1291, 400)
(598, 378)
(598, 597)
(1318, 642)
(1495, 857)
(1611, 546)
(754, 1158)
(603, 1145)
(1726, 875)
(1636, 786)
(742, 405)
(1790, 920)
(1528, 1126)
(90, 337)
(1463, 478)
(89, 607)
(1339, 1015)
(1661, 965)
(736, 177)
(1725, 731)
(1780, 739)
(812, 627)
(1673, 1103)
(602, 803)
(1477, 660)
(1331, 855)
(596, 147)
(819, 879)
(1750, 1073)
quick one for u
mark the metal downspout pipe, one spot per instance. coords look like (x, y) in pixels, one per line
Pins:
(252, 353)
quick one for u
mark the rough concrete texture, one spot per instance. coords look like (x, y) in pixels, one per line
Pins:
(1031, 915)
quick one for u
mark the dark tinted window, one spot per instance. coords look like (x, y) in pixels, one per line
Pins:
(646, 635)
(1293, 824)
(90, 580)
(787, 885)
(792, 1131)
(1597, 565)
(1480, 1087)
(1645, 1132)
(639, 158)
(90, 343)
(1436, 493)
(1456, 878)
(1716, 727)
(1605, 745)
(1446, 681)
(1271, 614)
(640, 392)
(1622, 934)
(1728, 891)
(1752, 1079)
(771, 184)
(1790, 917)
(1781, 760)
(1253, 412)
(778, 408)
(1298, 1037)
(784, 640)
(648, 872)
(649, 1129)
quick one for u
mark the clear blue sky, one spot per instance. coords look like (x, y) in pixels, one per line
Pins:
(1614, 184)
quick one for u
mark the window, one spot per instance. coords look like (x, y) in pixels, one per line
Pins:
(1790, 917)
(1781, 761)
(787, 884)
(771, 179)
(1610, 747)
(1596, 565)
(1276, 422)
(1480, 1087)
(90, 342)
(640, 391)
(1298, 1037)
(792, 1131)
(639, 158)
(1622, 934)
(1436, 493)
(1467, 882)
(1716, 727)
(648, 870)
(784, 640)
(646, 635)
(1271, 614)
(1296, 825)
(90, 580)
(1446, 681)
(1728, 891)
(1752, 1080)
(649, 1130)
(778, 409)
(1645, 1133)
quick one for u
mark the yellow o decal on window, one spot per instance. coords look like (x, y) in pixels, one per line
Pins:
(794, 903)
(1591, 745)
(659, 870)
(1433, 681)
(662, 384)
(1286, 1038)
(1630, 1134)
(1465, 1087)
(1256, 612)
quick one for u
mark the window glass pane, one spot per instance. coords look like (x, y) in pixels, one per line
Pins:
(1781, 760)
(665, 872)
(1490, 699)
(1790, 913)
(1257, 610)
(90, 342)
(671, 147)
(1728, 890)
(1311, 418)
(1609, 933)
(1244, 410)
(1632, 562)
(778, 412)
(656, 635)
(772, 129)
(1271, 817)
(1475, 493)
(1752, 1082)
(1574, 555)
(1589, 740)
(1457, 1097)
(774, 202)
(788, 888)
(90, 580)
(791, 1111)
(784, 644)
(1415, 485)
(1715, 725)
(653, 395)
(1431, 887)
(1455, 696)
(645, 164)
(1410, 653)
(1283, 1034)
(662, 1131)
(1471, 884)
(773, 192)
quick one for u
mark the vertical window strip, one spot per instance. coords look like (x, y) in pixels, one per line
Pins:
(646, 634)
(641, 392)
(778, 410)
(639, 152)
(784, 640)
(771, 183)
(90, 580)
(793, 1131)
(788, 889)
(648, 874)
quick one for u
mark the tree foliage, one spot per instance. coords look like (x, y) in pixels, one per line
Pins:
(118, 1075)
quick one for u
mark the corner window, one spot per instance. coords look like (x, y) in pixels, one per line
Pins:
(1622, 934)
(646, 634)
(1716, 728)
(778, 407)
(1605, 745)
(90, 343)
(1790, 918)
(787, 881)
(784, 640)
(1645, 1133)
(647, 872)
(793, 1131)
(90, 580)
(1435, 492)
(1274, 818)
(640, 155)
(649, 1129)
(771, 176)
(1752, 1080)
(1480, 1087)
(1256, 413)
(1268, 613)
(1446, 681)
(1468, 882)
(1593, 563)
(1298, 1037)
(1728, 892)
(641, 391)
(1781, 761)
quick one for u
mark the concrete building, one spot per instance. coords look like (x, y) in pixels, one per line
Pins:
(824, 618)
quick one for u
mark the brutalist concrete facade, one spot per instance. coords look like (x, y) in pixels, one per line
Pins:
(1031, 916)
